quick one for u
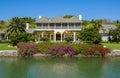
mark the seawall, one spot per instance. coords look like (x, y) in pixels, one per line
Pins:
(8, 53)
(13, 53)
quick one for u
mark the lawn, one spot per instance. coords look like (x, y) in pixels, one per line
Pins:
(5, 46)
(113, 46)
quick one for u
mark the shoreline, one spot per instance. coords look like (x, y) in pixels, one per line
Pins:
(13, 53)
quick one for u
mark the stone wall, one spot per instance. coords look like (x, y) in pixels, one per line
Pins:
(114, 53)
(13, 53)
(8, 53)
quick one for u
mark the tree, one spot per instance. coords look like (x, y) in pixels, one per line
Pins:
(68, 16)
(16, 26)
(114, 35)
(90, 35)
(97, 24)
(29, 20)
(3, 24)
(21, 37)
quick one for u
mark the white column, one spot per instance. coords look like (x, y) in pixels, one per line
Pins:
(42, 34)
(61, 36)
(74, 38)
(54, 36)
(7, 37)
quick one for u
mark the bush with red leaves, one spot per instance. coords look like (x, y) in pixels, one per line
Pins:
(97, 51)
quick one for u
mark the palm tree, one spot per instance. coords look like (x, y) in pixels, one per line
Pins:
(16, 26)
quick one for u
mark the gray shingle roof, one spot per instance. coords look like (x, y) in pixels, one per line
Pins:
(107, 27)
(2, 31)
(30, 30)
(58, 19)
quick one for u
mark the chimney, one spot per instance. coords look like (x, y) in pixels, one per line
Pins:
(40, 17)
(80, 17)
(27, 26)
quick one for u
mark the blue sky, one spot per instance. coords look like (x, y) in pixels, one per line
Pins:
(90, 9)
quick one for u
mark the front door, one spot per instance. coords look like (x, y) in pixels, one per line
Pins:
(58, 36)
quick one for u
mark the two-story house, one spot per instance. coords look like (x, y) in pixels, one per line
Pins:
(58, 28)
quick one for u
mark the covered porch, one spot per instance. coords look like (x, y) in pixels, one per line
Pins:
(58, 36)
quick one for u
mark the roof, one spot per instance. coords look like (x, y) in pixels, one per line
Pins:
(2, 31)
(30, 30)
(107, 27)
(58, 19)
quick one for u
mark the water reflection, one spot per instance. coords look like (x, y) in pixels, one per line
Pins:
(60, 68)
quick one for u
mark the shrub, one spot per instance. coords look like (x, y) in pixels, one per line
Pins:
(68, 39)
(59, 51)
(44, 39)
(43, 46)
(90, 35)
(81, 48)
(27, 50)
(20, 44)
(114, 35)
(22, 37)
(97, 51)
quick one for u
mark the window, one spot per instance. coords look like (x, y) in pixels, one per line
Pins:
(71, 25)
(64, 26)
(45, 26)
(52, 26)
(39, 25)
(58, 25)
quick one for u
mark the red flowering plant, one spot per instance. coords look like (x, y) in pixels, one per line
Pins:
(98, 51)
(60, 51)
(27, 50)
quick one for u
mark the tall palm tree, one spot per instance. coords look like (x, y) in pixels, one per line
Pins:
(16, 26)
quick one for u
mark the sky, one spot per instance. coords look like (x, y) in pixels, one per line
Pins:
(90, 9)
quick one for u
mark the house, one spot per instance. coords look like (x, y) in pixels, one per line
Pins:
(105, 31)
(58, 28)
(2, 35)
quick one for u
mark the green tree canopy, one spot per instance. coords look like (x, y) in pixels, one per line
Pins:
(16, 26)
(114, 35)
(90, 35)
(3, 24)
(68, 16)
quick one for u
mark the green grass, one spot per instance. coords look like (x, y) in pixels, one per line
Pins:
(5, 46)
(113, 46)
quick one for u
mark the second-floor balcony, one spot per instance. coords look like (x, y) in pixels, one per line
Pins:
(59, 26)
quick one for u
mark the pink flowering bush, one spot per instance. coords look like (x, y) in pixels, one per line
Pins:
(27, 50)
(60, 51)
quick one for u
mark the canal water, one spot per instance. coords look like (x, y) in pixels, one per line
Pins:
(60, 67)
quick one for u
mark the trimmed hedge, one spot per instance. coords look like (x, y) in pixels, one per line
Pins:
(85, 49)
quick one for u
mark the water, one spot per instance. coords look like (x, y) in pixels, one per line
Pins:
(60, 68)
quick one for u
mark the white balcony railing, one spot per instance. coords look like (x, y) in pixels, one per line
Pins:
(59, 27)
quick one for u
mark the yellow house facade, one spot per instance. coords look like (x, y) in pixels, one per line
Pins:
(58, 28)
